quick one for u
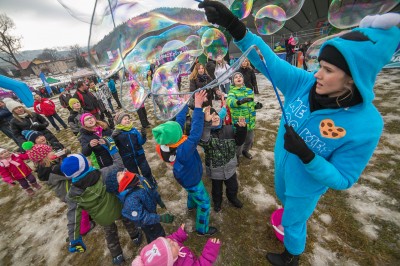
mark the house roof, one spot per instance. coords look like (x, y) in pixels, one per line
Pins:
(25, 64)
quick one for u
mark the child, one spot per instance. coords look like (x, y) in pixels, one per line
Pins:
(89, 192)
(129, 142)
(169, 251)
(219, 142)
(95, 138)
(13, 168)
(37, 137)
(49, 169)
(180, 150)
(242, 106)
(140, 201)
(74, 118)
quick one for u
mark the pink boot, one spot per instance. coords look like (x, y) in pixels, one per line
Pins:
(30, 192)
(36, 185)
(85, 223)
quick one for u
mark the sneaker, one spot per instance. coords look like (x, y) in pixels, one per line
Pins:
(211, 231)
(247, 155)
(36, 185)
(118, 260)
(138, 240)
(236, 203)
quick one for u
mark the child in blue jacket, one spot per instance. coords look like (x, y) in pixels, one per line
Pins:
(332, 124)
(129, 142)
(181, 151)
(139, 198)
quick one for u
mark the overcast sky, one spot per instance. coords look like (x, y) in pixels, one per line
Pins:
(47, 24)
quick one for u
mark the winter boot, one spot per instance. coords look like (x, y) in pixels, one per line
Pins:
(283, 259)
(138, 240)
(118, 260)
(36, 185)
(30, 192)
(236, 203)
(217, 207)
(211, 231)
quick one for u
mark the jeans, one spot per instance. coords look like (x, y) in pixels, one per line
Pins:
(58, 118)
(153, 231)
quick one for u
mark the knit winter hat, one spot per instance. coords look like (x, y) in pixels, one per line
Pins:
(233, 76)
(331, 55)
(83, 116)
(74, 165)
(126, 180)
(157, 253)
(39, 152)
(11, 104)
(31, 135)
(367, 49)
(72, 101)
(119, 116)
(167, 133)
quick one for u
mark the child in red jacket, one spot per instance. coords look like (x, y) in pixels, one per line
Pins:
(13, 168)
(47, 108)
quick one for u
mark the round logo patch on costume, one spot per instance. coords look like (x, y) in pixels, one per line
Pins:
(328, 129)
(134, 213)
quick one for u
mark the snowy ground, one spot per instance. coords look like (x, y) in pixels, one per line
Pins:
(360, 226)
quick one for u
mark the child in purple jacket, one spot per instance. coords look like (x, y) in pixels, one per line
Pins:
(170, 251)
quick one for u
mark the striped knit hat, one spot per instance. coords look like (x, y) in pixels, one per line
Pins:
(74, 165)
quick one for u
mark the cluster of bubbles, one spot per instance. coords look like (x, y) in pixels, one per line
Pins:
(132, 36)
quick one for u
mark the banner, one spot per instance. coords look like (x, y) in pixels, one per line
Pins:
(395, 61)
(46, 84)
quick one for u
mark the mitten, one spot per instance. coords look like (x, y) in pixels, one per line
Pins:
(244, 100)
(258, 106)
(77, 245)
(167, 218)
(218, 13)
(296, 145)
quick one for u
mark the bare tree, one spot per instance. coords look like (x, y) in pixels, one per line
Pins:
(9, 44)
(49, 54)
(76, 52)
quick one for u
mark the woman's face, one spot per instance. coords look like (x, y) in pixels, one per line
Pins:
(219, 59)
(89, 121)
(126, 121)
(19, 110)
(201, 70)
(149, 72)
(174, 248)
(244, 63)
(238, 80)
(40, 140)
(331, 80)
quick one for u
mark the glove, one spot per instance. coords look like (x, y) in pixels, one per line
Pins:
(244, 100)
(258, 106)
(77, 245)
(162, 204)
(167, 218)
(296, 145)
(218, 13)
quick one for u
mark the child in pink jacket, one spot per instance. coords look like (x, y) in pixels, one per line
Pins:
(170, 251)
(13, 168)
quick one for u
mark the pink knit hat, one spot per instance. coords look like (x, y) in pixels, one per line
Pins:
(39, 152)
(157, 253)
(83, 116)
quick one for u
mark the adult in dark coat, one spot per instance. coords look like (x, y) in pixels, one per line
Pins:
(5, 118)
(26, 120)
(249, 76)
(87, 99)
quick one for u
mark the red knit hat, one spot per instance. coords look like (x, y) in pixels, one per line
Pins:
(39, 152)
(126, 180)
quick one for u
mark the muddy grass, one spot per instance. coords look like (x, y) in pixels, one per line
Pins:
(360, 226)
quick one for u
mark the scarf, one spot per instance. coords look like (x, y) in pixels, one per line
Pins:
(7, 162)
(124, 128)
(23, 115)
(98, 131)
(319, 102)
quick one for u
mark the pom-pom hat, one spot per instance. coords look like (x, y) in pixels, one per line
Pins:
(11, 104)
(31, 135)
(157, 253)
(38, 152)
(74, 165)
(119, 116)
(167, 133)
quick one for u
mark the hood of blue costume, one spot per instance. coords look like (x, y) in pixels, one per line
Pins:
(366, 51)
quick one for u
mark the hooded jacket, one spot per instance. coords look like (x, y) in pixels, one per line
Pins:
(44, 107)
(14, 172)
